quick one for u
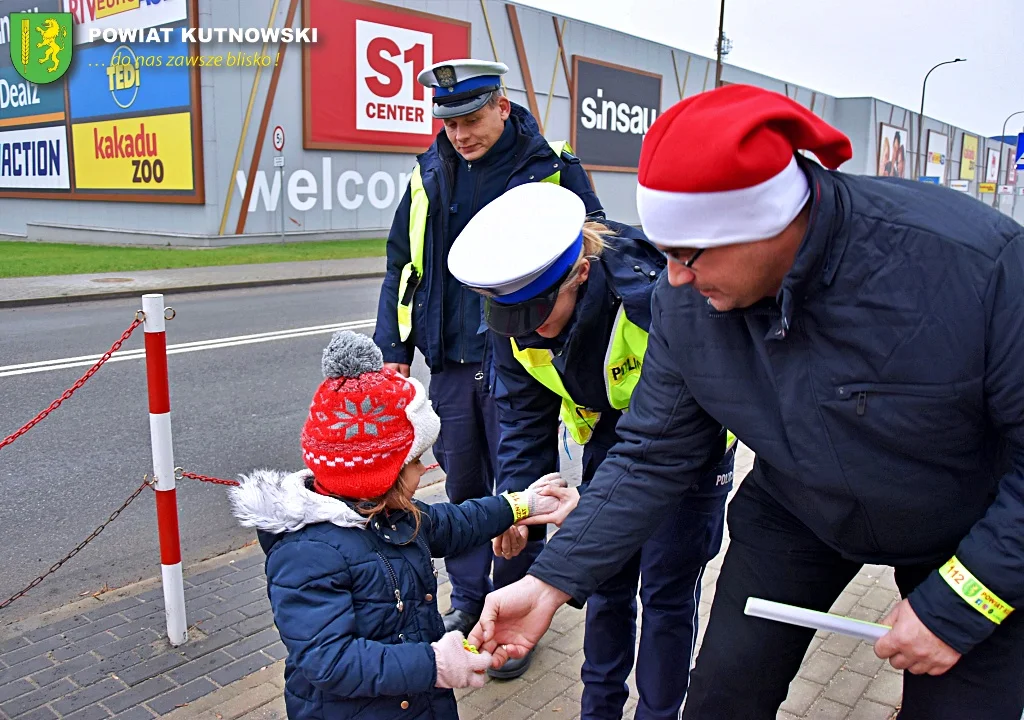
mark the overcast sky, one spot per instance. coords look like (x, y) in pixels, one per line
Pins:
(850, 48)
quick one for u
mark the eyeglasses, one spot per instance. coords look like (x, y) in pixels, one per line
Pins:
(674, 256)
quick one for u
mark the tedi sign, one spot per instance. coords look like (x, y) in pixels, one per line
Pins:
(614, 108)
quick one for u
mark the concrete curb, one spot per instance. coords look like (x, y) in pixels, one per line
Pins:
(120, 294)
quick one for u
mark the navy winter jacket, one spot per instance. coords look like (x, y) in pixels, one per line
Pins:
(356, 602)
(882, 391)
(534, 161)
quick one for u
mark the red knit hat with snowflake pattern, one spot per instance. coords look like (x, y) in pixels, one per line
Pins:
(365, 423)
(719, 168)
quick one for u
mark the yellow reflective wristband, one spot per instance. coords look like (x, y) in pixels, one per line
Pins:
(520, 508)
(974, 592)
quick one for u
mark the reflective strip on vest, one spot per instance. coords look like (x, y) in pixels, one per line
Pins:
(558, 146)
(412, 273)
(623, 361)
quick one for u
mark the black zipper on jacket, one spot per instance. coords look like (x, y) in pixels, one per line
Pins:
(394, 582)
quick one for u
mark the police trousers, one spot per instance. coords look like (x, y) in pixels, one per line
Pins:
(669, 568)
(466, 450)
(746, 664)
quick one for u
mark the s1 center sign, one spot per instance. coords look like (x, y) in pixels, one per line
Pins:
(359, 81)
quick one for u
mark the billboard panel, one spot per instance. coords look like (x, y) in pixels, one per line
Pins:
(25, 103)
(123, 78)
(34, 159)
(142, 153)
(892, 151)
(359, 80)
(614, 107)
(968, 157)
(935, 162)
(117, 14)
(992, 166)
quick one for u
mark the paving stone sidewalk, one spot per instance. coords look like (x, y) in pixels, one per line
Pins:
(109, 658)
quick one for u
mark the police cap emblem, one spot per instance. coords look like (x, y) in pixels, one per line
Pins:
(445, 76)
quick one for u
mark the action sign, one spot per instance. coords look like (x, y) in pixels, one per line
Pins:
(279, 138)
(360, 87)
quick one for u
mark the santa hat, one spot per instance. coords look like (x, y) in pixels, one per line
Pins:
(365, 423)
(719, 168)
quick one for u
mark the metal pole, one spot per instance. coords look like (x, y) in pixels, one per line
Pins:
(721, 34)
(995, 201)
(163, 468)
(280, 171)
(920, 115)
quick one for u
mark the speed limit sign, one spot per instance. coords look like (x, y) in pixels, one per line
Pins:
(279, 138)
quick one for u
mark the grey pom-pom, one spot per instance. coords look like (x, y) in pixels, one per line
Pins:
(350, 355)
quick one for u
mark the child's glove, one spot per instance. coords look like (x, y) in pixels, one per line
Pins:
(538, 499)
(457, 667)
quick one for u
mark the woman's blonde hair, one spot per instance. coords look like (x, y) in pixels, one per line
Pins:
(594, 246)
(394, 499)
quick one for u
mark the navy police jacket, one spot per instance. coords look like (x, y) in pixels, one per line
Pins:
(534, 161)
(528, 412)
(882, 391)
(355, 602)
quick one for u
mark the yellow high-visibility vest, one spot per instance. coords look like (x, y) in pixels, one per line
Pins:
(623, 361)
(419, 209)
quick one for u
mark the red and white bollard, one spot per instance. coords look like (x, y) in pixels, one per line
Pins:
(163, 467)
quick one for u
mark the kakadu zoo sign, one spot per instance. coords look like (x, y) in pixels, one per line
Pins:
(613, 108)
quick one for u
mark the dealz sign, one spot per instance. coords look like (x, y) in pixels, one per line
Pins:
(613, 108)
(359, 81)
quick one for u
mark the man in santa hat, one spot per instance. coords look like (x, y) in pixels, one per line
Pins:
(865, 338)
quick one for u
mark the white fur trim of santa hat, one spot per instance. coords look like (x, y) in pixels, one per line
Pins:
(725, 217)
(426, 424)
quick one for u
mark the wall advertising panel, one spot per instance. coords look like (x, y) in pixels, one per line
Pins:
(142, 153)
(133, 124)
(359, 80)
(122, 78)
(25, 103)
(612, 110)
(968, 157)
(116, 14)
(935, 161)
(892, 151)
(992, 166)
(34, 159)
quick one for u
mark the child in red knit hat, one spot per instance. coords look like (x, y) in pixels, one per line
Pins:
(349, 570)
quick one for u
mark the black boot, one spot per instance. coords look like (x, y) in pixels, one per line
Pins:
(513, 668)
(460, 620)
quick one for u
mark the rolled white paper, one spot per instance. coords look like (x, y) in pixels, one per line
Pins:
(769, 610)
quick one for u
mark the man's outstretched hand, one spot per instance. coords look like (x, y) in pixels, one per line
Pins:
(515, 618)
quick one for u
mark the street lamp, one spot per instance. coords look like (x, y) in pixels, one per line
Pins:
(995, 198)
(920, 117)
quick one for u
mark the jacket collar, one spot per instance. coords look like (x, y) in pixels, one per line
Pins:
(824, 243)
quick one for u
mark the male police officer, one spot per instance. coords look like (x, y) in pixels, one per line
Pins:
(865, 338)
(488, 145)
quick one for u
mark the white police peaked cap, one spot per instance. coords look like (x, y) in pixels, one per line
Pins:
(461, 86)
(520, 244)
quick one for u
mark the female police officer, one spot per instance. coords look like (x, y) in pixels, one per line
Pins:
(571, 300)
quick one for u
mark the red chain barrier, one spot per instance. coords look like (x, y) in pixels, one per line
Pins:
(179, 474)
(146, 482)
(81, 381)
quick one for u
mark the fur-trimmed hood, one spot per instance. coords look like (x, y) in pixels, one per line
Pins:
(278, 502)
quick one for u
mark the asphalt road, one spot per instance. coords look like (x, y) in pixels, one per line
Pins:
(232, 409)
